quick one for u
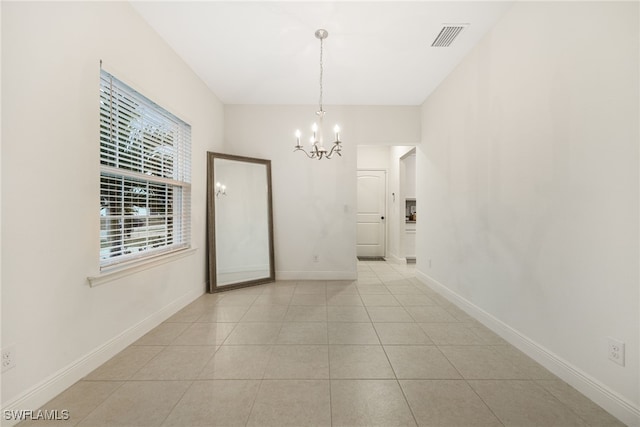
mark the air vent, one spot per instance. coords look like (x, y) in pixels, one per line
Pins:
(448, 34)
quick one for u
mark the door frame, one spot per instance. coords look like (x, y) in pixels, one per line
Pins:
(386, 205)
(402, 184)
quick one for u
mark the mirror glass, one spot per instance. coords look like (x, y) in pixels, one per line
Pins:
(239, 221)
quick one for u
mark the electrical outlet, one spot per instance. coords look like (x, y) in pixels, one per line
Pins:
(616, 350)
(8, 358)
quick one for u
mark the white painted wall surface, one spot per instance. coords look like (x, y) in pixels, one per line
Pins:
(529, 166)
(410, 176)
(50, 189)
(314, 201)
(373, 157)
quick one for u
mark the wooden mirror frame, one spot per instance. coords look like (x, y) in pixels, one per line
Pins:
(212, 286)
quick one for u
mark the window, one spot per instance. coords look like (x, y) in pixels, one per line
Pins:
(145, 176)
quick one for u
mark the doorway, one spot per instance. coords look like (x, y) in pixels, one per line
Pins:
(371, 213)
(409, 204)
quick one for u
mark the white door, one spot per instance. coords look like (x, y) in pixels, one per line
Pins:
(371, 213)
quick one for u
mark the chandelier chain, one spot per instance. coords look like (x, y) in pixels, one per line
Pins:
(321, 70)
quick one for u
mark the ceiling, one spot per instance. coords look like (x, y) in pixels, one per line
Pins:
(264, 52)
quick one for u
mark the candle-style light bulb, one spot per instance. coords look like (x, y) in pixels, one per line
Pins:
(336, 130)
(298, 137)
(218, 184)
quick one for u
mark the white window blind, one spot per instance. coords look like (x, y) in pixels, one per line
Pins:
(145, 176)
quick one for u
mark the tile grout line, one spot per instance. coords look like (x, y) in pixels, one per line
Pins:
(415, 420)
(100, 404)
(177, 402)
(486, 342)
(265, 369)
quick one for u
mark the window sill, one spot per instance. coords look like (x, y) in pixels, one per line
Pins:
(118, 273)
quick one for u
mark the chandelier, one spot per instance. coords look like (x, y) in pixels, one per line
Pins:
(318, 150)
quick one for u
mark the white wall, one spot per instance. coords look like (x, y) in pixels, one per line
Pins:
(410, 176)
(314, 201)
(529, 172)
(61, 327)
(373, 157)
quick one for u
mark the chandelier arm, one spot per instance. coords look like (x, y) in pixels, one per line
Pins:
(329, 154)
(335, 145)
(311, 156)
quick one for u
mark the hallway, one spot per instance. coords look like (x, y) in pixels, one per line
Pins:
(383, 350)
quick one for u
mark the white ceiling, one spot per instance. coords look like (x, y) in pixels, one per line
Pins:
(377, 53)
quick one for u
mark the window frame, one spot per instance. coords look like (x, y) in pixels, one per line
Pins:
(145, 197)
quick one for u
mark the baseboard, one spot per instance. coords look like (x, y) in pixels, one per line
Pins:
(400, 260)
(393, 258)
(56, 383)
(316, 275)
(617, 405)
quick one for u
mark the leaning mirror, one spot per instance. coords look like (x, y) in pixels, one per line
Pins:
(239, 221)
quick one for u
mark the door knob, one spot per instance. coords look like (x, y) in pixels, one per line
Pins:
(381, 217)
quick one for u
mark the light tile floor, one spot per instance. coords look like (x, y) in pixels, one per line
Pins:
(383, 350)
